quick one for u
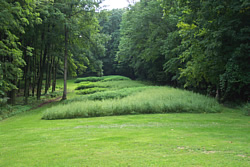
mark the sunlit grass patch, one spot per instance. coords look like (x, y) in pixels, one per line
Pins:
(149, 101)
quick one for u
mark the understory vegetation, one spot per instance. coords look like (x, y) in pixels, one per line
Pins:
(115, 97)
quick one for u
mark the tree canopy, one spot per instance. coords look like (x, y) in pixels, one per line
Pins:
(197, 45)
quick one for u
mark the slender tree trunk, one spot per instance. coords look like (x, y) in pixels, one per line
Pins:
(54, 75)
(40, 80)
(50, 72)
(217, 96)
(34, 76)
(27, 81)
(19, 85)
(12, 95)
(65, 64)
(47, 75)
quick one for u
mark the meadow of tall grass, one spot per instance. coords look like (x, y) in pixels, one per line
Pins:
(149, 100)
(108, 94)
(104, 78)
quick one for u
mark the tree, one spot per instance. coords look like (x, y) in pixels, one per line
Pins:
(72, 10)
(14, 17)
(111, 27)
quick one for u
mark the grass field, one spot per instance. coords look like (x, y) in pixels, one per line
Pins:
(177, 139)
(125, 97)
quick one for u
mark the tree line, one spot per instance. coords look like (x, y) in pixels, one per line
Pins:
(40, 39)
(200, 45)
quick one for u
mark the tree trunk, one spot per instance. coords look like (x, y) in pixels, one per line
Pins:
(27, 81)
(19, 86)
(50, 71)
(12, 95)
(54, 75)
(34, 76)
(217, 96)
(47, 75)
(40, 80)
(65, 64)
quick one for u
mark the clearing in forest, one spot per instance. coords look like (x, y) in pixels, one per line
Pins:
(142, 134)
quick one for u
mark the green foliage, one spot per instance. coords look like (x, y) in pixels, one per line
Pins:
(3, 101)
(12, 20)
(196, 45)
(214, 46)
(142, 34)
(111, 27)
(7, 111)
(246, 109)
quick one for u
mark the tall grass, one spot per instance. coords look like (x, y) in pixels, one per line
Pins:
(149, 101)
(104, 78)
(110, 84)
(90, 91)
(109, 94)
(86, 85)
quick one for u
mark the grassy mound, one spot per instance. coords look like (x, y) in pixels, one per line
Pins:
(104, 78)
(110, 84)
(90, 91)
(149, 101)
(86, 85)
(110, 94)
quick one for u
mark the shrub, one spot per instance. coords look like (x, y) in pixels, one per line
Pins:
(246, 109)
(8, 110)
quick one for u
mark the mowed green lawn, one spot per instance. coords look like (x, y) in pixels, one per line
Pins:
(186, 139)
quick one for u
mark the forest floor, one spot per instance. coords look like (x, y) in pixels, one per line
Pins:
(47, 102)
(179, 139)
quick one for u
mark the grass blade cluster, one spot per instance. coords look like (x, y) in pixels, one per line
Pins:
(90, 91)
(110, 94)
(104, 78)
(110, 84)
(149, 101)
(87, 85)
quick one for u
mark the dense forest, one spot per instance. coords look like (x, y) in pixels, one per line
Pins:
(199, 45)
